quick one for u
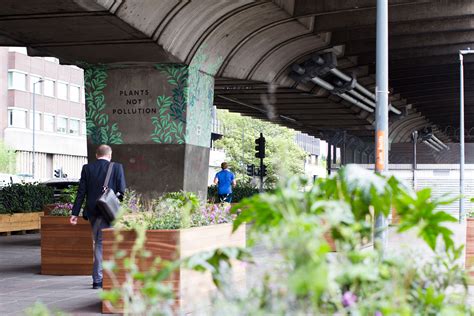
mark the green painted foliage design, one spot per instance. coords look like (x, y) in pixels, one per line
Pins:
(169, 126)
(99, 129)
(167, 130)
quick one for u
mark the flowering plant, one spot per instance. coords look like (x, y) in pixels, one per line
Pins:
(62, 209)
(212, 214)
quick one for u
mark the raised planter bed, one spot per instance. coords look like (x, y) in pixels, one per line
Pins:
(19, 222)
(48, 208)
(191, 288)
(66, 249)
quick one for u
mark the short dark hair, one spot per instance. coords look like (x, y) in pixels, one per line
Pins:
(224, 165)
(103, 150)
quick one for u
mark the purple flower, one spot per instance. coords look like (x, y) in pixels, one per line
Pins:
(378, 313)
(349, 299)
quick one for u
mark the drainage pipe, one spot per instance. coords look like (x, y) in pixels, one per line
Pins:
(436, 139)
(326, 85)
(430, 145)
(361, 88)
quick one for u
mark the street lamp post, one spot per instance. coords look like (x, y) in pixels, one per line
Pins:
(34, 128)
(461, 133)
(381, 112)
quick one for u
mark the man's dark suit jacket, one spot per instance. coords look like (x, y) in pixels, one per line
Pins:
(91, 185)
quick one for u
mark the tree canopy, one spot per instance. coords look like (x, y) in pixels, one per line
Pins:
(7, 159)
(283, 156)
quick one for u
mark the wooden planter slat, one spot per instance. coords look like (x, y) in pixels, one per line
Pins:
(20, 221)
(191, 288)
(470, 246)
(66, 249)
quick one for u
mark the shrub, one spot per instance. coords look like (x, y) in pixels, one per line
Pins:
(240, 192)
(24, 197)
(173, 210)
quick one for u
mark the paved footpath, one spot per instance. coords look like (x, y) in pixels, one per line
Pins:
(22, 285)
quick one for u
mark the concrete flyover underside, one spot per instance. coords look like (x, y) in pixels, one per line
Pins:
(255, 44)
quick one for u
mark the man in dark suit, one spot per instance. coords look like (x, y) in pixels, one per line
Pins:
(91, 188)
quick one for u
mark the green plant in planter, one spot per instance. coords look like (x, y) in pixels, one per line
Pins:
(24, 197)
(303, 278)
(68, 195)
(61, 209)
(174, 210)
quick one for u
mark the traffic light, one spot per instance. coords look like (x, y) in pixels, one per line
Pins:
(250, 170)
(263, 171)
(57, 173)
(260, 148)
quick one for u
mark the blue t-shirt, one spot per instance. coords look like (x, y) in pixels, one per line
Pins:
(224, 184)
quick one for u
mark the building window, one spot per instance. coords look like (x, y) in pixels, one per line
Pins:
(62, 90)
(74, 92)
(16, 80)
(83, 128)
(36, 87)
(17, 118)
(37, 121)
(61, 125)
(48, 87)
(48, 123)
(74, 127)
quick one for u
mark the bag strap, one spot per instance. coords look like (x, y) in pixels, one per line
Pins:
(109, 173)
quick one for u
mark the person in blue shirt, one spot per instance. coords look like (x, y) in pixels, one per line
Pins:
(225, 180)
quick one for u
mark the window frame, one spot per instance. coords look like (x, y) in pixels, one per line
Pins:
(53, 130)
(10, 81)
(10, 111)
(58, 118)
(58, 84)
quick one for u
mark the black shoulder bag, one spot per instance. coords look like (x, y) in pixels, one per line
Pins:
(108, 203)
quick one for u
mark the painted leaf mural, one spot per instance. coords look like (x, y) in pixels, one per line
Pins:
(169, 126)
(98, 126)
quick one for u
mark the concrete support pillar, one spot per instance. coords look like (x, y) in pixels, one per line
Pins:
(157, 119)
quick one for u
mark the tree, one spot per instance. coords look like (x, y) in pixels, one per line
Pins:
(7, 159)
(283, 156)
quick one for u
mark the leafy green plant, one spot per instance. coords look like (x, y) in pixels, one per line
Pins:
(175, 210)
(305, 279)
(68, 195)
(24, 197)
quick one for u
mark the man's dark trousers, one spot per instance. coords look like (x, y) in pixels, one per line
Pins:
(90, 189)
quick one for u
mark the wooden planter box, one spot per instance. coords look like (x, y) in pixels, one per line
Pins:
(66, 249)
(20, 221)
(48, 208)
(470, 246)
(395, 217)
(190, 288)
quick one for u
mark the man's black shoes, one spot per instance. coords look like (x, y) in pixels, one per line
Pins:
(96, 286)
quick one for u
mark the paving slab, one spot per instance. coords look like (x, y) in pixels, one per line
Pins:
(23, 285)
